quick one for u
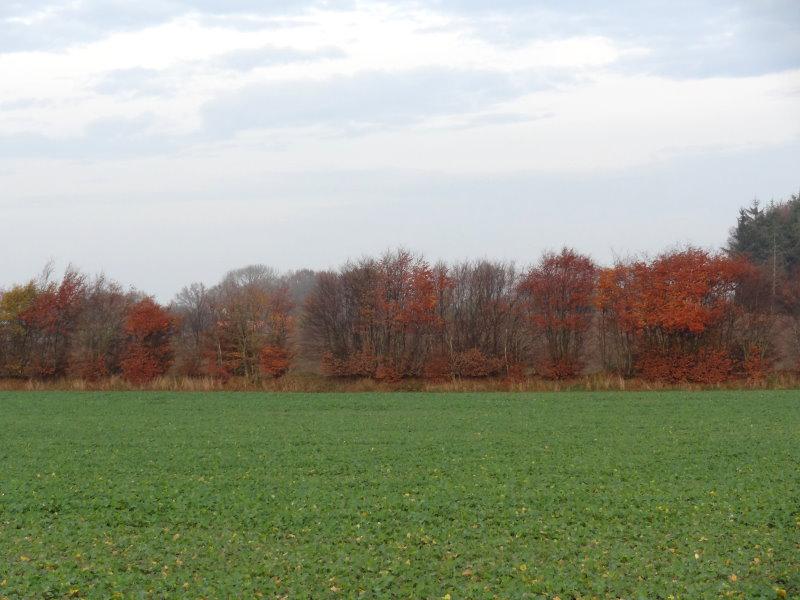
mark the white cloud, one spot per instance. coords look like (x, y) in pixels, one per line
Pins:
(608, 122)
(378, 39)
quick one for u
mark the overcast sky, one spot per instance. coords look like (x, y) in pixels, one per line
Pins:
(167, 141)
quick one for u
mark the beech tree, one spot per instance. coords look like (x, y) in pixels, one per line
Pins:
(252, 325)
(52, 319)
(376, 318)
(148, 352)
(675, 315)
(99, 339)
(559, 293)
(483, 332)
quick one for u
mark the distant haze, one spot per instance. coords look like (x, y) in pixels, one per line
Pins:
(166, 142)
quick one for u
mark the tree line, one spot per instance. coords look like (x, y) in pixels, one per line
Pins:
(686, 315)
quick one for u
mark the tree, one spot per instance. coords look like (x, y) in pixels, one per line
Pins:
(559, 294)
(405, 315)
(53, 318)
(673, 318)
(99, 339)
(617, 297)
(770, 238)
(148, 352)
(275, 357)
(194, 307)
(15, 335)
(375, 318)
(252, 312)
(483, 333)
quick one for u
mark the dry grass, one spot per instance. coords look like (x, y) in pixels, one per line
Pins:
(310, 382)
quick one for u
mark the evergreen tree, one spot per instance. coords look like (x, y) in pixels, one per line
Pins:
(770, 238)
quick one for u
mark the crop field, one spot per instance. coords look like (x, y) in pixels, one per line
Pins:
(232, 495)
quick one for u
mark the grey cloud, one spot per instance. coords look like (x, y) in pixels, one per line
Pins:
(134, 82)
(504, 118)
(687, 38)
(364, 100)
(25, 103)
(728, 39)
(82, 22)
(349, 105)
(67, 23)
(246, 60)
(104, 138)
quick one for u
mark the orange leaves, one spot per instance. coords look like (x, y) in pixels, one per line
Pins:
(473, 363)
(706, 365)
(561, 287)
(620, 291)
(141, 365)
(89, 368)
(51, 318)
(274, 361)
(470, 364)
(56, 306)
(360, 364)
(148, 353)
(422, 297)
(675, 313)
(756, 363)
(687, 291)
(147, 320)
(558, 369)
(252, 326)
(375, 318)
(560, 292)
(387, 372)
(406, 290)
(437, 367)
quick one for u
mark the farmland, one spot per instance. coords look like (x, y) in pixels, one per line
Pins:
(607, 495)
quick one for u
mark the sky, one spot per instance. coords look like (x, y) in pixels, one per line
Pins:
(165, 142)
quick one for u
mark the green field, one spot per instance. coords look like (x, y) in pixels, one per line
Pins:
(227, 495)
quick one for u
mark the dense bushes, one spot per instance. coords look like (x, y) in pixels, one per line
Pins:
(687, 315)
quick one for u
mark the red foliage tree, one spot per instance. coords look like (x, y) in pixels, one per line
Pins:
(559, 293)
(274, 361)
(252, 326)
(674, 318)
(376, 318)
(148, 353)
(52, 320)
